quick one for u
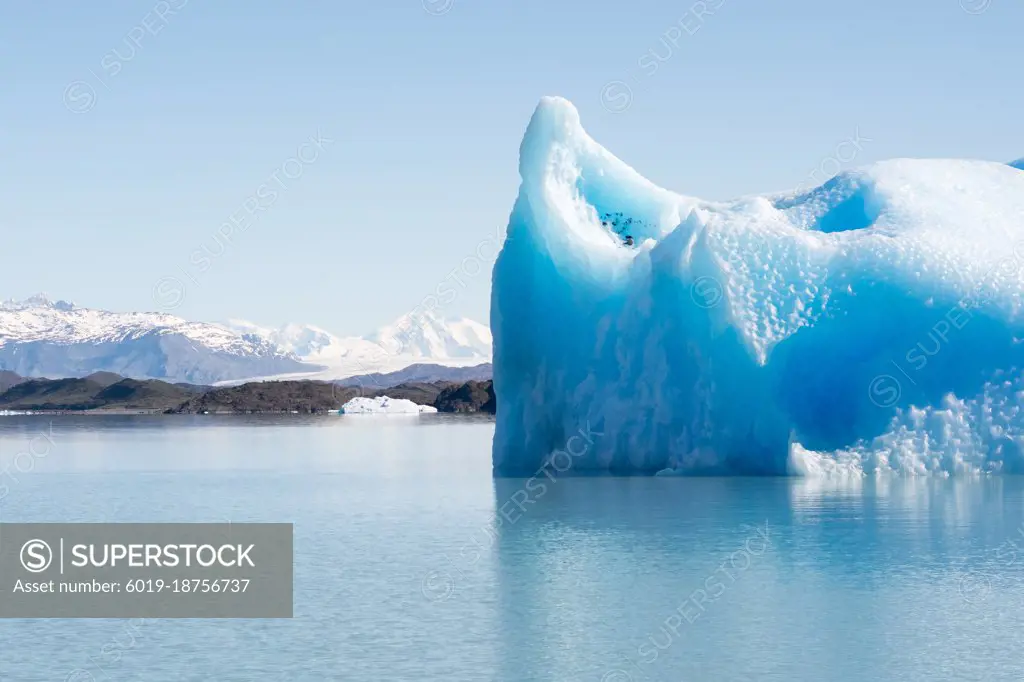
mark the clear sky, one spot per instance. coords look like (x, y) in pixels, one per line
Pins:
(133, 130)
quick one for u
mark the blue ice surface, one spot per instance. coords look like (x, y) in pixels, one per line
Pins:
(870, 325)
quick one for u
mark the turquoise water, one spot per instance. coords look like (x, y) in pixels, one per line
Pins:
(412, 564)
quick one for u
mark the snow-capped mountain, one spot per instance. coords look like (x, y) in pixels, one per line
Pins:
(428, 336)
(411, 339)
(302, 340)
(40, 337)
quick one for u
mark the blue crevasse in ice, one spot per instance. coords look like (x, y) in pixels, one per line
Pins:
(872, 324)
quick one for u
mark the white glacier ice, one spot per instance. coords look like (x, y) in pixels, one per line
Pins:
(870, 325)
(384, 405)
(420, 337)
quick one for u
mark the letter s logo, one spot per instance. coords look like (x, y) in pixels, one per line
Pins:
(36, 556)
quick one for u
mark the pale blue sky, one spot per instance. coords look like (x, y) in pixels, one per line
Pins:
(426, 103)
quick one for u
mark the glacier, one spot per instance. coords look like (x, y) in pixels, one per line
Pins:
(871, 325)
(417, 338)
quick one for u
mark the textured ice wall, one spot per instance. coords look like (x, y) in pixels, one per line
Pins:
(871, 324)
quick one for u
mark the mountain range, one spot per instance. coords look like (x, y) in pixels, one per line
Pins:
(44, 338)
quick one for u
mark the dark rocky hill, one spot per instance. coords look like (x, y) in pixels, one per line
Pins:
(52, 394)
(421, 373)
(8, 379)
(104, 379)
(266, 396)
(472, 396)
(132, 394)
(62, 395)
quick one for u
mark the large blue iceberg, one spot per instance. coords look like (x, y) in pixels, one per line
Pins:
(870, 325)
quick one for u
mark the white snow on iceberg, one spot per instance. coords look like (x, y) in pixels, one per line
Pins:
(384, 405)
(872, 324)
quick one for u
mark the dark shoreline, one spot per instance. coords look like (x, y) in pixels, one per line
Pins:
(101, 394)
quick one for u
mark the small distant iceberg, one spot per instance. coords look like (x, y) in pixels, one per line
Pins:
(384, 405)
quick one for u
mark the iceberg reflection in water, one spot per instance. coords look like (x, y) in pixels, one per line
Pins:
(636, 579)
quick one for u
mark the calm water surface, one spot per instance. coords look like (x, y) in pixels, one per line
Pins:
(412, 563)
